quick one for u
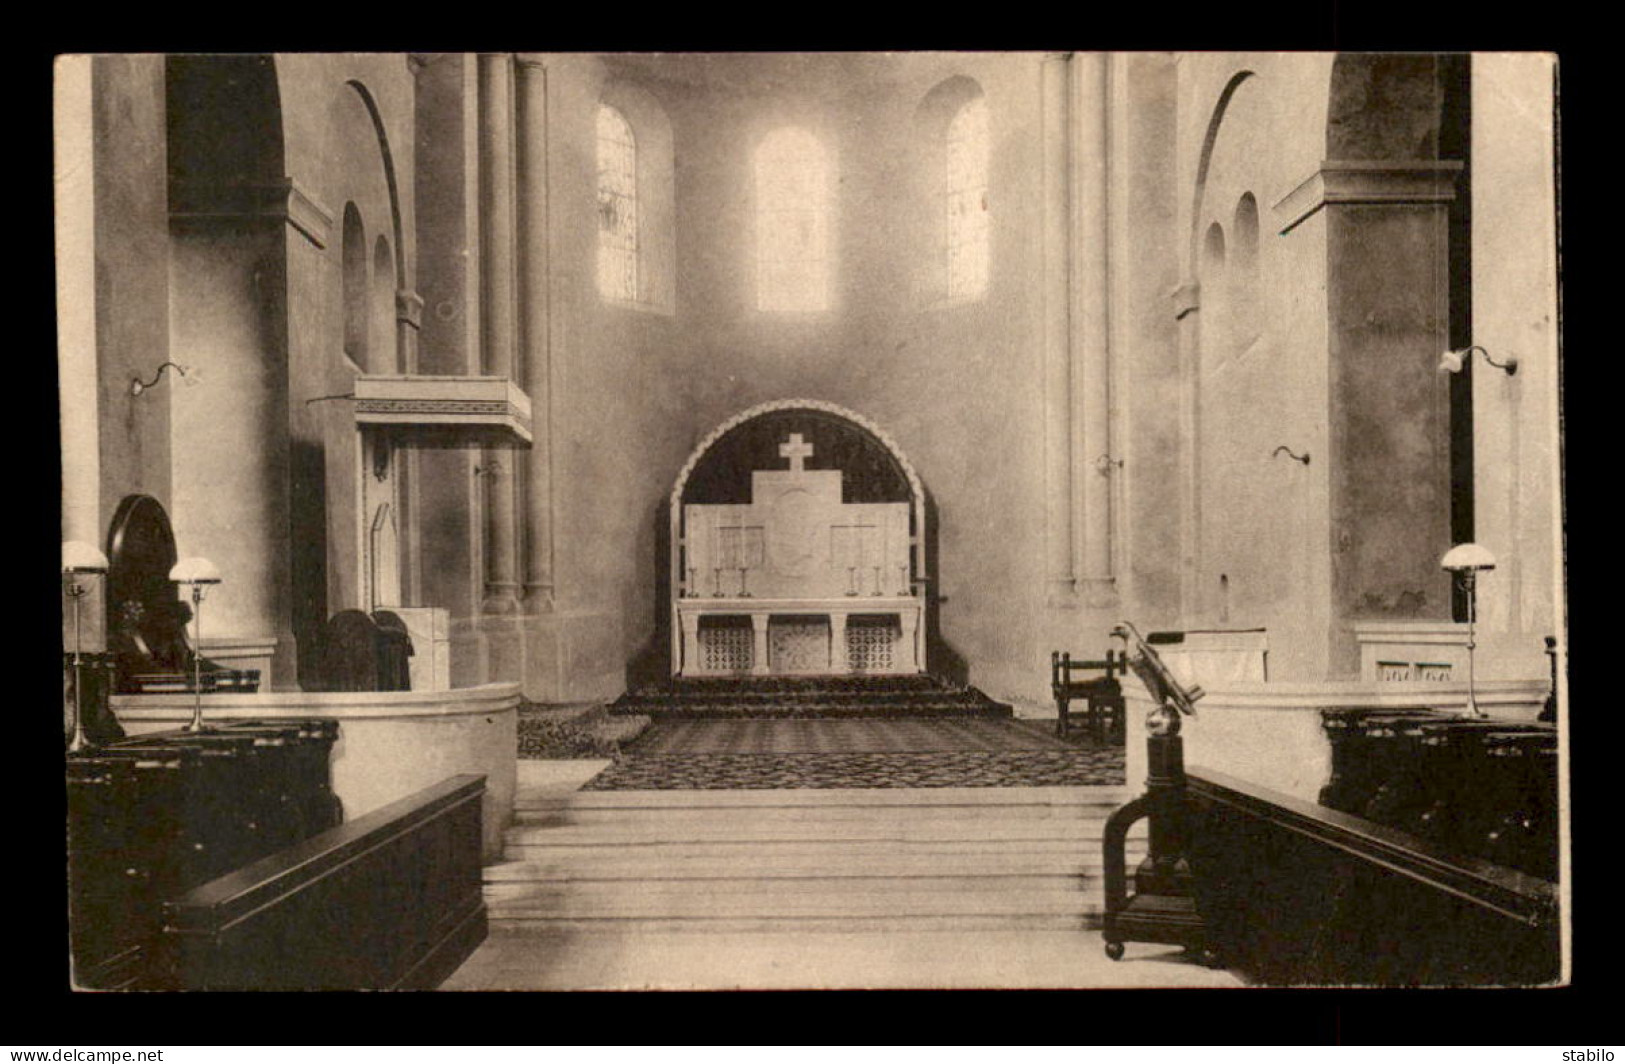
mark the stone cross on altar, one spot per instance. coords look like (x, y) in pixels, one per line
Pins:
(796, 450)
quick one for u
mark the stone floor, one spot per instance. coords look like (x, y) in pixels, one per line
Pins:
(519, 959)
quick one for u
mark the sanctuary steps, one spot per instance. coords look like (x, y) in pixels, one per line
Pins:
(962, 859)
(807, 697)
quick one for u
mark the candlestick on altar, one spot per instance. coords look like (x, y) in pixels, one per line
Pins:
(693, 590)
(877, 590)
(902, 581)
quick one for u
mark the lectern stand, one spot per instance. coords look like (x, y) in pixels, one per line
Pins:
(1162, 907)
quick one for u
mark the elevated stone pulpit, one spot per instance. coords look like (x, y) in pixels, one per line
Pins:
(795, 576)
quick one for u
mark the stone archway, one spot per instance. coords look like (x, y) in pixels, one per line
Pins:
(812, 569)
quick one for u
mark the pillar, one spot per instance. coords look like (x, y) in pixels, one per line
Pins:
(1515, 428)
(1060, 573)
(1091, 324)
(535, 316)
(76, 300)
(497, 314)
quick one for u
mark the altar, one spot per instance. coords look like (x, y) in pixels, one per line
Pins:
(796, 578)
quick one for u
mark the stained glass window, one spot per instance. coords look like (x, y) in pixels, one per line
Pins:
(792, 223)
(617, 207)
(967, 224)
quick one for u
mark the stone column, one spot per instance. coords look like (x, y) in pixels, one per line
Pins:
(497, 313)
(535, 318)
(758, 648)
(76, 300)
(1187, 303)
(1515, 427)
(1387, 255)
(1060, 572)
(1091, 323)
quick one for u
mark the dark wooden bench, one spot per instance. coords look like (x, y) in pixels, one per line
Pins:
(1103, 694)
(389, 901)
(1293, 893)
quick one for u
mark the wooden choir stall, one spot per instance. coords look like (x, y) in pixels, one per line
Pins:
(1430, 859)
(216, 856)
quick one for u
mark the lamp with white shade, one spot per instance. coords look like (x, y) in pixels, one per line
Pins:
(79, 559)
(1466, 561)
(196, 573)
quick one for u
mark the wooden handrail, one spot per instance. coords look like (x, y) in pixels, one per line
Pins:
(320, 914)
(1510, 893)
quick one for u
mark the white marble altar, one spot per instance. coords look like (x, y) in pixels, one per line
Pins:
(826, 586)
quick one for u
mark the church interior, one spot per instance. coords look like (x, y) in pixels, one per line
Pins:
(910, 453)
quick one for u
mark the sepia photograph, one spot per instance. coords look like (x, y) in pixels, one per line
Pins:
(1016, 520)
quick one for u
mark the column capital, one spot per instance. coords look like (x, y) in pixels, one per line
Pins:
(530, 60)
(1343, 181)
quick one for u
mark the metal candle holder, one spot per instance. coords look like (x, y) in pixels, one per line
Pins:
(197, 573)
(79, 559)
(1467, 560)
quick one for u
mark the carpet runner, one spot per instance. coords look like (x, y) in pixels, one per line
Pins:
(768, 733)
(823, 697)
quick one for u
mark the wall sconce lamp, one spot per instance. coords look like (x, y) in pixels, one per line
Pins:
(79, 560)
(1454, 361)
(1465, 561)
(1304, 458)
(1106, 465)
(137, 385)
(196, 573)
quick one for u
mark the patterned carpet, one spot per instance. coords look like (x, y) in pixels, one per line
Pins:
(867, 736)
(754, 772)
(899, 752)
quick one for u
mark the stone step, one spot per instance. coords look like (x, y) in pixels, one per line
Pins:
(792, 830)
(1085, 920)
(566, 815)
(792, 864)
(544, 902)
(897, 798)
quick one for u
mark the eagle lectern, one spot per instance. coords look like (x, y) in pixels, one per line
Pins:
(1163, 905)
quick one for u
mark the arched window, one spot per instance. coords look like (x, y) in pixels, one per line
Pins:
(966, 202)
(354, 281)
(1215, 319)
(617, 207)
(1244, 295)
(792, 222)
(382, 354)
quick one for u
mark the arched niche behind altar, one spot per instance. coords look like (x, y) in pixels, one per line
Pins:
(797, 544)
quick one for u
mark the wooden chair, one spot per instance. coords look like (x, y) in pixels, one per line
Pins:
(1104, 694)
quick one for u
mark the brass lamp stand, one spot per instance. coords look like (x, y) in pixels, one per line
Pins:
(196, 573)
(79, 560)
